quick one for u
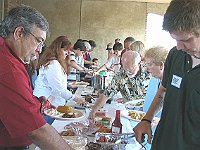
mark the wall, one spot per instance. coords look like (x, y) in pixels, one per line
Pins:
(100, 20)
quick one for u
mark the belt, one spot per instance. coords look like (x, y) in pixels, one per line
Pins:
(15, 148)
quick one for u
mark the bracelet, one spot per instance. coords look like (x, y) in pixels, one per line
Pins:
(147, 120)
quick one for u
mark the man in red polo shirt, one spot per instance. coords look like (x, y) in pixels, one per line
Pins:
(22, 34)
(127, 43)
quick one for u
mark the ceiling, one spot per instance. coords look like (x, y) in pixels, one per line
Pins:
(154, 1)
(150, 1)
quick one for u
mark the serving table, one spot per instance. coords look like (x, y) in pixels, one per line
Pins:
(110, 110)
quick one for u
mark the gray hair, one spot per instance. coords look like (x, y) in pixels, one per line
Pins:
(139, 47)
(132, 56)
(24, 16)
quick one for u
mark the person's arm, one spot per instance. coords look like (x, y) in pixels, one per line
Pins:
(156, 104)
(111, 90)
(144, 127)
(54, 75)
(98, 104)
(89, 62)
(47, 138)
(76, 66)
(103, 67)
(108, 64)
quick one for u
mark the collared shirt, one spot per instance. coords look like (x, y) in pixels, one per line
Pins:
(19, 109)
(73, 71)
(180, 121)
(113, 63)
(52, 80)
(130, 88)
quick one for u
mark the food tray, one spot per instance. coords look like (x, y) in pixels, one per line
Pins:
(110, 138)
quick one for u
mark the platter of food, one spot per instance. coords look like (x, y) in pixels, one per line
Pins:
(134, 115)
(110, 138)
(64, 113)
(134, 104)
(80, 128)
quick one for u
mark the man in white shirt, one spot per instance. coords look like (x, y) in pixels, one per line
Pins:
(114, 62)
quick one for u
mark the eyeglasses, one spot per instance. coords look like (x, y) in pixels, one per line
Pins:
(40, 43)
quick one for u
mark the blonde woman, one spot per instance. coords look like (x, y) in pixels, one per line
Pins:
(154, 59)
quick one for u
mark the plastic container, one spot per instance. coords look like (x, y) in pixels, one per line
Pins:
(76, 142)
(103, 73)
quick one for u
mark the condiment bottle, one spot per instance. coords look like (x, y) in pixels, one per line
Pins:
(116, 125)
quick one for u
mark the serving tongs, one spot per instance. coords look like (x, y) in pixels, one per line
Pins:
(131, 135)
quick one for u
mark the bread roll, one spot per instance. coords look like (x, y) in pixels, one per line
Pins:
(65, 109)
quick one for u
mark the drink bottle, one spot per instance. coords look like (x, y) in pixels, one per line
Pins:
(116, 125)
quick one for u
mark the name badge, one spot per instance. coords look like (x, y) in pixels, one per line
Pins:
(176, 81)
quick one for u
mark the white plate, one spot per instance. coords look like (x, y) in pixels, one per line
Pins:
(125, 113)
(79, 114)
(133, 104)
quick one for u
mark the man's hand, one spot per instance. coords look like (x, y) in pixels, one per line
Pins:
(141, 129)
(121, 100)
(91, 117)
(45, 104)
(79, 101)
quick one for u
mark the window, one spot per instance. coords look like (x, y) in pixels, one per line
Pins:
(155, 35)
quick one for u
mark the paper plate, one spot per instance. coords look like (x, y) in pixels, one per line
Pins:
(57, 115)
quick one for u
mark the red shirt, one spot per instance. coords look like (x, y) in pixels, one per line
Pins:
(19, 109)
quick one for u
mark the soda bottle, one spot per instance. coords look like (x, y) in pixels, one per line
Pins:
(116, 125)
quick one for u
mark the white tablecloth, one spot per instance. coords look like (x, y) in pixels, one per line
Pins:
(110, 112)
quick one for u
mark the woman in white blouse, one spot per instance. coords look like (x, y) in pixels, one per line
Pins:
(52, 79)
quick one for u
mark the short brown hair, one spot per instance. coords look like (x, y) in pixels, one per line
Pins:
(129, 39)
(183, 16)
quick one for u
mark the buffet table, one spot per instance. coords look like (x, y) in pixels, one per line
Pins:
(110, 112)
